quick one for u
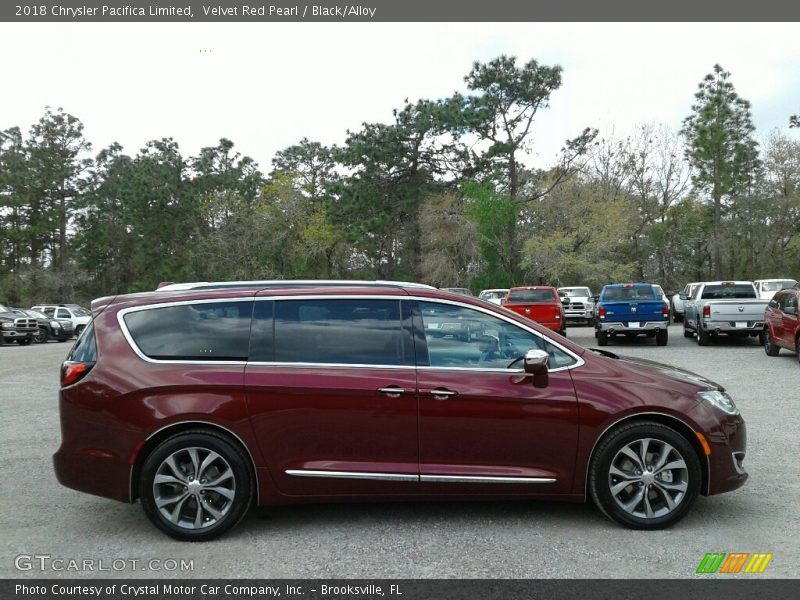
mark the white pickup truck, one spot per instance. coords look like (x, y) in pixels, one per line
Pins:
(723, 307)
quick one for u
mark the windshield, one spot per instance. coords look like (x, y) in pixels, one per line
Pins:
(774, 286)
(4, 308)
(579, 292)
(35, 313)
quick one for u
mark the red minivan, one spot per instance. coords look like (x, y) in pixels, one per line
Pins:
(202, 399)
(540, 303)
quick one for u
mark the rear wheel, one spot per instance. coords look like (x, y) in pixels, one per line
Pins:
(703, 337)
(195, 486)
(769, 346)
(602, 338)
(645, 476)
(662, 337)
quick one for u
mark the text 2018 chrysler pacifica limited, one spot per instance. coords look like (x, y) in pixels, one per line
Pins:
(201, 399)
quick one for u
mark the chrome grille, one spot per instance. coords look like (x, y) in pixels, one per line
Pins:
(23, 323)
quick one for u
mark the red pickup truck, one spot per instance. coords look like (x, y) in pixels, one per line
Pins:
(781, 323)
(539, 303)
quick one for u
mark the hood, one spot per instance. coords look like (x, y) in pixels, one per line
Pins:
(647, 367)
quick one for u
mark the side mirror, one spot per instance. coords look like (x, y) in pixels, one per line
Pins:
(536, 365)
(683, 296)
(596, 297)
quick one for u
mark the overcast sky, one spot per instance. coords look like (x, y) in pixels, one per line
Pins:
(266, 85)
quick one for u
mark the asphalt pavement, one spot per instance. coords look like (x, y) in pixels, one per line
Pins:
(39, 517)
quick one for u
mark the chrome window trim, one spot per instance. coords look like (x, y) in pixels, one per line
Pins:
(352, 475)
(633, 416)
(321, 296)
(483, 479)
(240, 440)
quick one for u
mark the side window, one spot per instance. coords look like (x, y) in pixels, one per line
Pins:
(63, 313)
(344, 331)
(213, 331)
(467, 338)
(49, 311)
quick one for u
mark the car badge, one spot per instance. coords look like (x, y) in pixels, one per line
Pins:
(741, 309)
(633, 309)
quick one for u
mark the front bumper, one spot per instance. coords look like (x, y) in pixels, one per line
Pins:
(11, 334)
(727, 439)
(631, 326)
(578, 315)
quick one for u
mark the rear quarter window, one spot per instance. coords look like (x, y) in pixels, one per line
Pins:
(211, 331)
(85, 349)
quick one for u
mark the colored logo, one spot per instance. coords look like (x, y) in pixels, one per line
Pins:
(734, 562)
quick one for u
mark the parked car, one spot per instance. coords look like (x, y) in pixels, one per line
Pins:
(495, 296)
(632, 309)
(202, 399)
(766, 288)
(457, 290)
(781, 323)
(49, 329)
(16, 328)
(723, 307)
(540, 303)
(578, 304)
(678, 301)
(79, 316)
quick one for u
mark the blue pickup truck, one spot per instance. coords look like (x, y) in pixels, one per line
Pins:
(631, 309)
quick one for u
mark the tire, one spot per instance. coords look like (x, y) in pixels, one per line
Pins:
(563, 332)
(664, 497)
(78, 330)
(62, 340)
(769, 347)
(41, 336)
(602, 338)
(223, 505)
(687, 333)
(703, 337)
(662, 337)
(25, 342)
(590, 322)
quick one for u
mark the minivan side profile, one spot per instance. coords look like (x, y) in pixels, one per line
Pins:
(202, 399)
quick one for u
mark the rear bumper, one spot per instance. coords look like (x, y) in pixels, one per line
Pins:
(732, 326)
(632, 326)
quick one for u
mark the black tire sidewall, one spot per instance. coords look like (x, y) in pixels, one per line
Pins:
(598, 475)
(239, 465)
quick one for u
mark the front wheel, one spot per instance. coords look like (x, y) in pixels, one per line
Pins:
(195, 486)
(645, 476)
(41, 336)
(78, 330)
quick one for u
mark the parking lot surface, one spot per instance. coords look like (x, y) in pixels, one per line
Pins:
(39, 517)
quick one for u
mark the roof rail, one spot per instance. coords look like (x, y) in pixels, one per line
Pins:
(215, 285)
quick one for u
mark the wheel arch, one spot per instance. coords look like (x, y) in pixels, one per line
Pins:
(662, 419)
(168, 431)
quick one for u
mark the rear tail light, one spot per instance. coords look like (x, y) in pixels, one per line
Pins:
(665, 310)
(706, 312)
(601, 312)
(72, 371)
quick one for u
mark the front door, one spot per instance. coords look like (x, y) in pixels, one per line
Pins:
(483, 427)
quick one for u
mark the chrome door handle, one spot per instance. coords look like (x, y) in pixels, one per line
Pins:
(392, 392)
(440, 394)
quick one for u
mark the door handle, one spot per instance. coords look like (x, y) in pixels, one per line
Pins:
(439, 393)
(392, 391)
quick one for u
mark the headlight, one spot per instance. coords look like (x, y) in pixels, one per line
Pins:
(7, 325)
(55, 324)
(721, 400)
